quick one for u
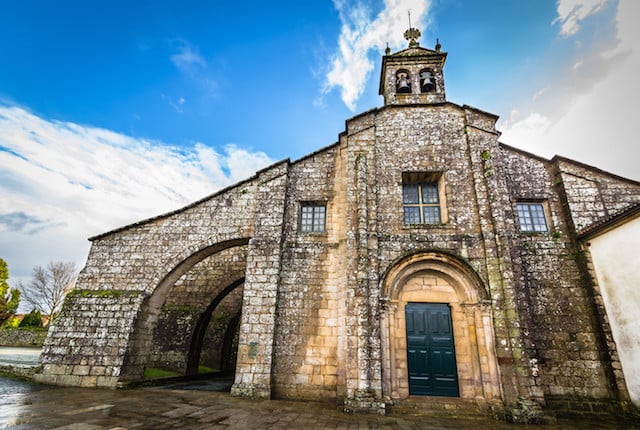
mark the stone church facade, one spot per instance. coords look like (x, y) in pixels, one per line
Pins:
(416, 257)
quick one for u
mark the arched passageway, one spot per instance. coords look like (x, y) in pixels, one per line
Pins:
(190, 315)
(214, 340)
(437, 330)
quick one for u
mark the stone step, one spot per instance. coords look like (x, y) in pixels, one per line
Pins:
(440, 406)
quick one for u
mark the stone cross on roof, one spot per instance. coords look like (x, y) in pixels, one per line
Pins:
(412, 35)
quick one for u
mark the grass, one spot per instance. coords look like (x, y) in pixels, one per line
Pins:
(155, 373)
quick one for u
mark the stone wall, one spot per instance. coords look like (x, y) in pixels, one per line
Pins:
(566, 341)
(431, 140)
(363, 367)
(307, 341)
(22, 337)
(563, 341)
(128, 275)
(461, 145)
(86, 345)
(592, 194)
(257, 327)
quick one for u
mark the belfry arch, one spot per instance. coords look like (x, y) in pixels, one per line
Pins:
(431, 277)
(184, 292)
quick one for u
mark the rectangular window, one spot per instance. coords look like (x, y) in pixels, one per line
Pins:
(421, 202)
(531, 217)
(312, 218)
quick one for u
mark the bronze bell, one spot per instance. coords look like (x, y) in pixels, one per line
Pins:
(427, 83)
(403, 85)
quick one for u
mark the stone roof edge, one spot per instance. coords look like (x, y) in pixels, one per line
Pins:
(424, 52)
(463, 108)
(483, 112)
(609, 223)
(193, 204)
(525, 153)
(360, 115)
(342, 133)
(375, 110)
(559, 158)
(316, 152)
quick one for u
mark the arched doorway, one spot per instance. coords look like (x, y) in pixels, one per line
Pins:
(437, 330)
(191, 292)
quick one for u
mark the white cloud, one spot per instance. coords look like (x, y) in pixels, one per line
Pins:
(533, 127)
(351, 66)
(238, 160)
(589, 114)
(572, 12)
(195, 68)
(62, 183)
(187, 58)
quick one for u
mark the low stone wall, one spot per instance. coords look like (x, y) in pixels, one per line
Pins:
(22, 337)
(24, 372)
(580, 408)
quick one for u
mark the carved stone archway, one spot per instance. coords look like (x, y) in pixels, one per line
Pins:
(435, 277)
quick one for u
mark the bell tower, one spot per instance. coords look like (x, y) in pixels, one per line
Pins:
(413, 75)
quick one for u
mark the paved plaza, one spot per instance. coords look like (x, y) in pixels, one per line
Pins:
(25, 406)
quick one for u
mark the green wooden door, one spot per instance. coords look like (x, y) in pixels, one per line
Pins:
(430, 353)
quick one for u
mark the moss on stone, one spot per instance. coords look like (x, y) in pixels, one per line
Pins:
(102, 293)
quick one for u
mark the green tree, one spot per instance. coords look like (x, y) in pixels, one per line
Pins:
(9, 297)
(49, 286)
(32, 319)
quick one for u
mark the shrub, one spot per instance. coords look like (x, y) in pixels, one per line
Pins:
(32, 319)
(12, 322)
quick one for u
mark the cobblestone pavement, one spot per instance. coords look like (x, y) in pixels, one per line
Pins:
(162, 408)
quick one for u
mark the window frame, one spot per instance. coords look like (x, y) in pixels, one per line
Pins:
(531, 223)
(422, 180)
(317, 209)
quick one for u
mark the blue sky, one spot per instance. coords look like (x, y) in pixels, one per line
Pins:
(115, 111)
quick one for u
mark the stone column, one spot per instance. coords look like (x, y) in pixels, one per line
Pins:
(364, 390)
(388, 309)
(510, 319)
(256, 340)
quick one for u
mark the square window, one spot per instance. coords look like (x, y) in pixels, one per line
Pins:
(312, 218)
(531, 217)
(421, 197)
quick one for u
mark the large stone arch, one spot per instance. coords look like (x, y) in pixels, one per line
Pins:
(436, 277)
(138, 350)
